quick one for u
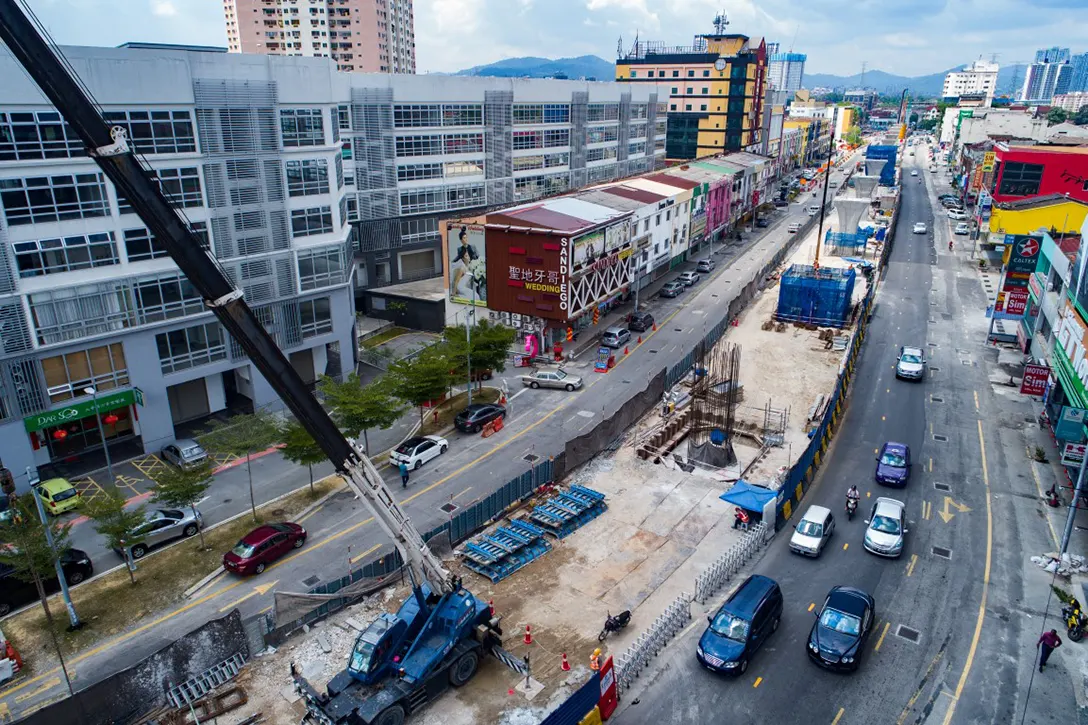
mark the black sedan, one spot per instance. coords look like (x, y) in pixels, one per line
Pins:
(473, 418)
(15, 592)
(842, 629)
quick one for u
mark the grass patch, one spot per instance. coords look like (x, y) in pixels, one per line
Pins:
(111, 605)
(384, 336)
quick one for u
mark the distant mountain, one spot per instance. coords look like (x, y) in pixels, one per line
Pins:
(586, 66)
(929, 85)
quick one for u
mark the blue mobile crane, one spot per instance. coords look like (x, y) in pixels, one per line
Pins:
(400, 662)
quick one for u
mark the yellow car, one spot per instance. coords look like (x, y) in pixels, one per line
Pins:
(59, 495)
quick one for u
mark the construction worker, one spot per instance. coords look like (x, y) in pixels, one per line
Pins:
(595, 660)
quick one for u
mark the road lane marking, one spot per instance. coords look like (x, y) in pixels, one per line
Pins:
(453, 498)
(910, 566)
(368, 551)
(868, 494)
(261, 590)
(838, 716)
(311, 513)
(981, 617)
(931, 465)
(47, 685)
(947, 515)
(976, 401)
(883, 417)
(757, 682)
(811, 606)
(927, 510)
(845, 546)
(882, 634)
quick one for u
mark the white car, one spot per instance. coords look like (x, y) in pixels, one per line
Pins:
(913, 172)
(416, 451)
(920, 228)
(962, 228)
(813, 531)
(956, 214)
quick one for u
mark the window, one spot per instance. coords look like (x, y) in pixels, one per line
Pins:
(657, 221)
(675, 90)
(454, 169)
(702, 107)
(141, 244)
(601, 134)
(687, 107)
(528, 140)
(639, 111)
(53, 198)
(102, 368)
(338, 163)
(690, 90)
(418, 230)
(156, 132)
(345, 151)
(532, 187)
(191, 347)
(307, 222)
(676, 74)
(636, 148)
(419, 145)
(556, 137)
(416, 172)
(71, 313)
(302, 127)
(315, 316)
(634, 74)
(1020, 179)
(706, 74)
(601, 154)
(462, 114)
(320, 267)
(705, 90)
(164, 298)
(50, 256)
(343, 118)
(307, 177)
(463, 143)
(522, 163)
(602, 112)
(691, 74)
(637, 130)
(44, 135)
(673, 107)
(181, 186)
(417, 115)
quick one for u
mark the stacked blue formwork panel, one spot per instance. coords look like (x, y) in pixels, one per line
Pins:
(841, 244)
(816, 296)
(887, 176)
(568, 511)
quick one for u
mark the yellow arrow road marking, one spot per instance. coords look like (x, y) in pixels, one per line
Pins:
(947, 515)
(260, 589)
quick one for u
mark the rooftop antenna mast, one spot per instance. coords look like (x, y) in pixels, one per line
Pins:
(720, 21)
(864, 67)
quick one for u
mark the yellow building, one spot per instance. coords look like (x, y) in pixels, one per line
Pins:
(714, 90)
(1053, 212)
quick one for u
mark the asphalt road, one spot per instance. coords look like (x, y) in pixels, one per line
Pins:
(539, 423)
(963, 658)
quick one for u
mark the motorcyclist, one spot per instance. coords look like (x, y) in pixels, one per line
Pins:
(853, 495)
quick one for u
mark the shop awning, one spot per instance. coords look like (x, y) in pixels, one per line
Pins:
(103, 403)
(747, 496)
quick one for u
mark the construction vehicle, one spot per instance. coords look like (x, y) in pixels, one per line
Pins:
(435, 640)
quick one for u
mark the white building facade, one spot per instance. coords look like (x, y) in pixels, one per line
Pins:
(786, 71)
(979, 78)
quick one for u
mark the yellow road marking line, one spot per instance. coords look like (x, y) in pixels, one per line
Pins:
(261, 589)
(868, 494)
(48, 684)
(368, 551)
(838, 716)
(457, 496)
(910, 566)
(976, 401)
(985, 584)
(845, 546)
(756, 683)
(880, 641)
(811, 606)
(300, 519)
(931, 465)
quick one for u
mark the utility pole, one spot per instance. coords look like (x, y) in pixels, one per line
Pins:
(1073, 507)
(468, 340)
(73, 618)
(823, 201)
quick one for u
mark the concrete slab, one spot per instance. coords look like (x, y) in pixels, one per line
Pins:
(683, 498)
(634, 588)
(529, 687)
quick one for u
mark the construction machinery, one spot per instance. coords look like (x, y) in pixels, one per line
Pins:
(436, 639)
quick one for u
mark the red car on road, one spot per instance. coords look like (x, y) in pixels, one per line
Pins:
(262, 546)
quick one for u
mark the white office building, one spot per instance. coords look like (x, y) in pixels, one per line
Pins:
(284, 167)
(786, 71)
(979, 78)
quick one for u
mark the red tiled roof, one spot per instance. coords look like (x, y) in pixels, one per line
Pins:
(677, 181)
(537, 216)
(629, 192)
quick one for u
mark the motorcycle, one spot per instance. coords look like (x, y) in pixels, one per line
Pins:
(1075, 622)
(614, 624)
(851, 508)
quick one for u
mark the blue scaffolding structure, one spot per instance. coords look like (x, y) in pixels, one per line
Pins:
(816, 296)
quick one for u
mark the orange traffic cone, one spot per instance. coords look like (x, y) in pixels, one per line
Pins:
(624, 349)
(528, 635)
(565, 665)
(655, 327)
(640, 339)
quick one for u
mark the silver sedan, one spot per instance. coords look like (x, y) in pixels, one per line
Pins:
(162, 526)
(551, 379)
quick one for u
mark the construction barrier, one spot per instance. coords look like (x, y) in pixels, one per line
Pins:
(649, 643)
(714, 577)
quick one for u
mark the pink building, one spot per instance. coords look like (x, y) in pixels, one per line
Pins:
(369, 36)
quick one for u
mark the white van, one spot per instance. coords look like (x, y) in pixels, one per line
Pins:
(794, 228)
(813, 210)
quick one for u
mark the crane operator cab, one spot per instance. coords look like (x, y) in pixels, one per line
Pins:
(370, 660)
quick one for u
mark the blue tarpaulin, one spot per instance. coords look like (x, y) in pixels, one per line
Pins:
(748, 497)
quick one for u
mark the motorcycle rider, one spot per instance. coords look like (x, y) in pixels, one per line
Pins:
(852, 495)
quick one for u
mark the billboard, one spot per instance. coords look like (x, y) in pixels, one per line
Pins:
(1016, 301)
(598, 244)
(1022, 255)
(1070, 424)
(468, 273)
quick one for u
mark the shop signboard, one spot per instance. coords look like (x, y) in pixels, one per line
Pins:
(1016, 301)
(1070, 424)
(1035, 377)
(1035, 286)
(988, 161)
(1078, 277)
(598, 244)
(103, 403)
(1023, 254)
(1072, 340)
(1073, 455)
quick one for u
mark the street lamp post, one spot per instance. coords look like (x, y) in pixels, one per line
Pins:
(469, 316)
(73, 618)
(101, 433)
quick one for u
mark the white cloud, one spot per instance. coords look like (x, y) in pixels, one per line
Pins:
(164, 8)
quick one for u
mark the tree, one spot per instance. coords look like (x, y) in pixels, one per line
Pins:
(358, 408)
(300, 447)
(490, 348)
(1055, 116)
(184, 487)
(422, 378)
(1081, 116)
(243, 435)
(116, 523)
(853, 137)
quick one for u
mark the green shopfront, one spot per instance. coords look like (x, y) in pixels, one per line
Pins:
(1067, 396)
(73, 430)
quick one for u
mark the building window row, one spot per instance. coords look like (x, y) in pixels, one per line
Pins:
(605, 172)
(549, 138)
(639, 111)
(315, 317)
(541, 161)
(343, 117)
(319, 268)
(608, 152)
(142, 245)
(156, 132)
(541, 113)
(308, 222)
(1020, 179)
(636, 148)
(308, 177)
(32, 136)
(191, 347)
(40, 199)
(181, 186)
(164, 298)
(102, 368)
(421, 115)
(600, 134)
(637, 130)
(302, 127)
(418, 201)
(67, 254)
(532, 187)
(602, 112)
(338, 164)
(438, 144)
(417, 230)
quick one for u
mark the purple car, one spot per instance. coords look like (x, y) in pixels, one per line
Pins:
(893, 464)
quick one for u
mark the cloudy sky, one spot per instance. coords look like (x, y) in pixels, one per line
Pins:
(906, 37)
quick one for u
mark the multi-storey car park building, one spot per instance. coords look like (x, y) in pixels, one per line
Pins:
(282, 166)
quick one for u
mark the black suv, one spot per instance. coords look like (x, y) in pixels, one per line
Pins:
(473, 418)
(14, 592)
(640, 321)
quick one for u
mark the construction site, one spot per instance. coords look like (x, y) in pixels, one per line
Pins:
(645, 520)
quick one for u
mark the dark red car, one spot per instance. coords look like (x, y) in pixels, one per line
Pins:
(262, 546)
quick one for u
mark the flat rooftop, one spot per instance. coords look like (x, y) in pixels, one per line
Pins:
(432, 289)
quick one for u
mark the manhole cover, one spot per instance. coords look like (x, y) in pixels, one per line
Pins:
(940, 438)
(653, 352)
(936, 399)
(677, 329)
(310, 581)
(531, 457)
(911, 635)
(942, 487)
(449, 507)
(942, 552)
(932, 344)
(945, 316)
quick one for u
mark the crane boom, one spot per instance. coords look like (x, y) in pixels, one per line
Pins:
(109, 149)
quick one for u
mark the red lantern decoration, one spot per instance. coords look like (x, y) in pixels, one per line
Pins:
(110, 419)
(60, 434)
